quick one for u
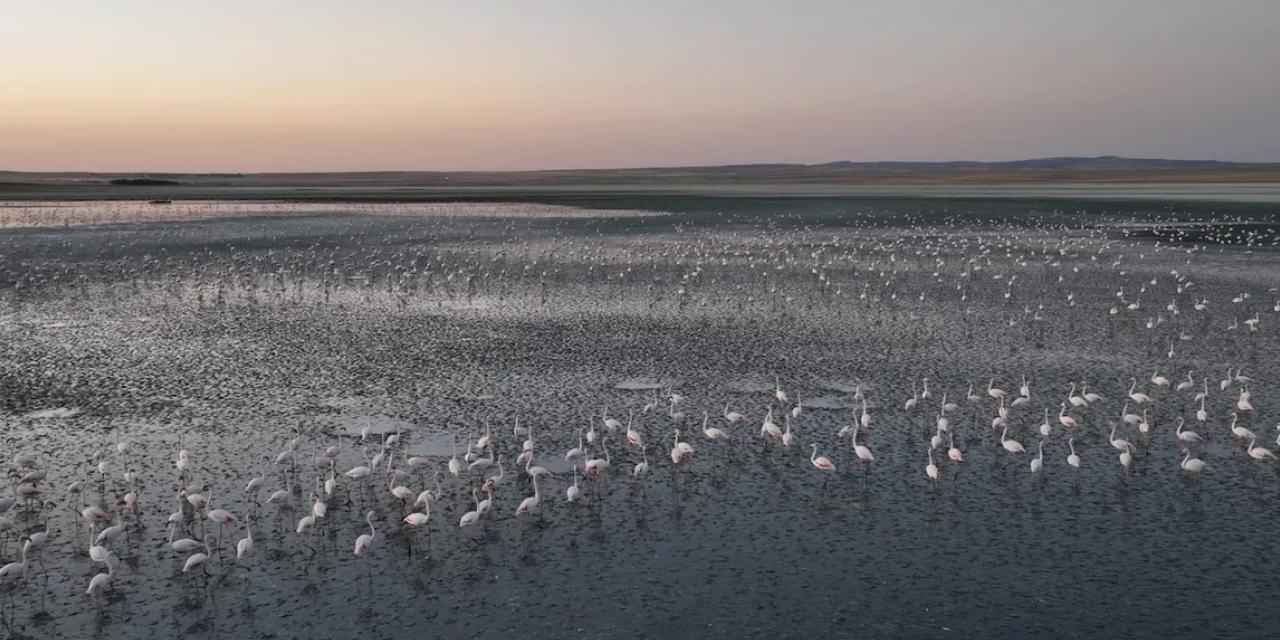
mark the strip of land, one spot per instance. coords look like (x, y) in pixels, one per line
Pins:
(1065, 170)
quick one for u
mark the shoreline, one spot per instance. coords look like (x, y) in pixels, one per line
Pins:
(1236, 193)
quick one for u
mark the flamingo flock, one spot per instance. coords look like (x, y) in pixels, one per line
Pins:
(817, 364)
(384, 479)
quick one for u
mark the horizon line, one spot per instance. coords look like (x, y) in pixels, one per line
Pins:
(232, 173)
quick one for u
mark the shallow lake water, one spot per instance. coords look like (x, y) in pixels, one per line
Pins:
(231, 333)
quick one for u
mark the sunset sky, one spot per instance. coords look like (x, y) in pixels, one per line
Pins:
(269, 85)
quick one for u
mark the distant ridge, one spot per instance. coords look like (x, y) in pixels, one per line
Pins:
(1035, 170)
(1059, 162)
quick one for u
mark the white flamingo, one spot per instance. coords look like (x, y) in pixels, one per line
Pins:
(1009, 444)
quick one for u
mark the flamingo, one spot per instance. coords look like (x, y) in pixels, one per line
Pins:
(1191, 465)
(931, 470)
(1238, 431)
(1137, 396)
(481, 463)
(420, 518)
(821, 463)
(481, 444)
(633, 436)
(611, 424)
(1128, 418)
(36, 540)
(1075, 400)
(1072, 458)
(244, 546)
(576, 452)
(1243, 404)
(331, 482)
(15, 568)
(1038, 462)
(953, 453)
(102, 581)
(1009, 444)
(471, 517)
(455, 465)
(530, 504)
(527, 445)
(1259, 453)
(110, 534)
(1185, 435)
(1063, 419)
(770, 428)
(1144, 424)
(712, 433)
(1089, 396)
(318, 507)
(304, 523)
(492, 482)
(365, 540)
(196, 560)
(399, 491)
(1126, 457)
(1120, 444)
(641, 467)
(571, 494)
(595, 466)
(732, 417)
(382, 455)
(223, 517)
(677, 453)
(676, 416)
(861, 450)
(1000, 418)
(535, 470)
(994, 391)
(970, 396)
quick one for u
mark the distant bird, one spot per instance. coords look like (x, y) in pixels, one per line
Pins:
(365, 540)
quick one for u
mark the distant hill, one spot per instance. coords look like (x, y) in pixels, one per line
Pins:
(143, 182)
(1037, 170)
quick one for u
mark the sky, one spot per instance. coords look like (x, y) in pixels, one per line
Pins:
(274, 85)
